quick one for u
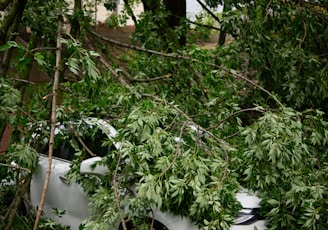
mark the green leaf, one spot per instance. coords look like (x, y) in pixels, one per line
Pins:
(73, 65)
(39, 58)
(9, 45)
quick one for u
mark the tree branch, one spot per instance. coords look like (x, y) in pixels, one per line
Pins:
(233, 73)
(208, 11)
(10, 215)
(237, 112)
(176, 150)
(117, 197)
(108, 66)
(53, 122)
(203, 25)
(82, 142)
(4, 4)
(130, 12)
(16, 9)
(15, 167)
(222, 143)
(169, 75)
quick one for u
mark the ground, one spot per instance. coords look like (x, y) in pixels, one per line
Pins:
(122, 34)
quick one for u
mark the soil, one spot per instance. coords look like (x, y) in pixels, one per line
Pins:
(123, 34)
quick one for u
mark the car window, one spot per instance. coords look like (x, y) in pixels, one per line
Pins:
(96, 144)
(63, 148)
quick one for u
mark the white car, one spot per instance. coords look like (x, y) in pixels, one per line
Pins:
(71, 198)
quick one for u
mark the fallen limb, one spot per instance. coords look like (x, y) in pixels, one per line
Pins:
(232, 72)
(53, 123)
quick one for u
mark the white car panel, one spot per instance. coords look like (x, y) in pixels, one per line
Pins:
(74, 201)
(65, 197)
(260, 225)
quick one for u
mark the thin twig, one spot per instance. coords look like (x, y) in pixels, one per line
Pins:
(166, 76)
(267, 12)
(235, 113)
(208, 11)
(15, 167)
(190, 121)
(235, 74)
(30, 205)
(138, 48)
(152, 220)
(232, 135)
(43, 48)
(108, 66)
(203, 25)
(220, 141)
(305, 33)
(117, 197)
(22, 80)
(176, 150)
(81, 141)
(130, 11)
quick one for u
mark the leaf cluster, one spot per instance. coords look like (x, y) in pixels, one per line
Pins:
(284, 158)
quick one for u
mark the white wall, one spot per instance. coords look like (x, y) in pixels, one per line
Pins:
(192, 9)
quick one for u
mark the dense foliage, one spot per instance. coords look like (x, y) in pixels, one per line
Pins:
(286, 46)
(195, 125)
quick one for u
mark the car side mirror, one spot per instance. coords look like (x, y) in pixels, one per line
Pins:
(90, 166)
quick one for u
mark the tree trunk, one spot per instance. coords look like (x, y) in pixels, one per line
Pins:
(223, 34)
(177, 13)
(9, 26)
(17, 201)
(76, 18)
(151, 5)
(15, 10)
(4, 4)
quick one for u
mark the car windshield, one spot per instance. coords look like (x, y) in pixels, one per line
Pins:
(90, 143)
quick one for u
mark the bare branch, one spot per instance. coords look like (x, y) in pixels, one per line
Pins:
(176, 150)
(15, 167)
(237, 112)
(208, 11)
(10, 215)
(169, 75)
(267, 12)
(82, 142)
(231, 136)
(130, 12)
(53, 123)
(203, 25)
(117, 197)
(22, 80)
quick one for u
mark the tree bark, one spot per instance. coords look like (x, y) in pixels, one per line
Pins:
(130, 12)
(53, 123)
(8, 27)
(76, 18)
(17, 201)
(15, 10)
(4, 4)
(151, 5)
(177, 12)
(223, 34)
